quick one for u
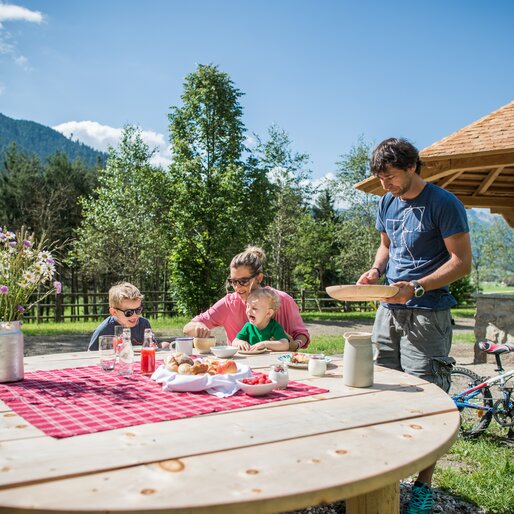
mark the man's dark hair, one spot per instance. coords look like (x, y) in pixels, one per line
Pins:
(396, 152)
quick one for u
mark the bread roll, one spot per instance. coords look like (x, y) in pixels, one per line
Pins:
(199, 368)
(185, 369)
(184, 359)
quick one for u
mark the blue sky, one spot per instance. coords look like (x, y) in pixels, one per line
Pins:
(325, 71)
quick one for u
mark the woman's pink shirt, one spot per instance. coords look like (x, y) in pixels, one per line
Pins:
(230, 313)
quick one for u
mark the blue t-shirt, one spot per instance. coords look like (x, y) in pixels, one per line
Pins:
(416, 229)
(106, 328)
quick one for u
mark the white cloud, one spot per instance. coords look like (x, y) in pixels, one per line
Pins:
(101, 137)
(2, 88)
(23, 62)
(10, 12)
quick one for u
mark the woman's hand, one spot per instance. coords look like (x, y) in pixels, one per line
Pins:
(196, 329)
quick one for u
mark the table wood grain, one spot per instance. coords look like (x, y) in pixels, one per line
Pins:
(350, 443)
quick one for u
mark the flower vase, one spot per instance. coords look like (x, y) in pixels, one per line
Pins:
(11, 351)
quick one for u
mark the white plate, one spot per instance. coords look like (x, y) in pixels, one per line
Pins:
(298, 365)
(256, 352)
(354, 293)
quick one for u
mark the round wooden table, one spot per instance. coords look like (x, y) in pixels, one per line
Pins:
(349, 443)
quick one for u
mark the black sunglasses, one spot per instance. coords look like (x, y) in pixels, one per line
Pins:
(129, 312)
(241, 281)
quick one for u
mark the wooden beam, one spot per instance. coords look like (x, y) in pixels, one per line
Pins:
(488, 180)
(508, 214)
(471, 163)
(486, 201)
(450, 180)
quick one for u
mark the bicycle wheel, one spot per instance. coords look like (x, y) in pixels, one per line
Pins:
(472, 421)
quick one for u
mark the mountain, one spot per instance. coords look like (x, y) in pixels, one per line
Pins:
(33, 138)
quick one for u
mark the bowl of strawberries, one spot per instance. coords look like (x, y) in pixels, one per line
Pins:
(257, 386)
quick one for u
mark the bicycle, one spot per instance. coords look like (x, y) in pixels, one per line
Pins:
(473, 396)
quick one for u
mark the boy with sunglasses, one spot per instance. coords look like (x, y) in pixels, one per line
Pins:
(125, 308)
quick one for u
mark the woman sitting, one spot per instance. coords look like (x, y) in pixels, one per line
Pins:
(246, 274)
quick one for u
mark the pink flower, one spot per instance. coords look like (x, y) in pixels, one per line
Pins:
(4, 290)
(20, 308)
(57, 287)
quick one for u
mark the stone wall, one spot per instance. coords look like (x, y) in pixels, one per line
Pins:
(494, 321)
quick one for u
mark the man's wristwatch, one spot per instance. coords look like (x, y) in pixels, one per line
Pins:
(419, 290)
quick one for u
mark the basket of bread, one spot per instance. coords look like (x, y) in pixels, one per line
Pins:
(184, 365)
(181, 373)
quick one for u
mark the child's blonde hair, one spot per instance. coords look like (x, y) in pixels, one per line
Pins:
(268, 294)
(123, 291)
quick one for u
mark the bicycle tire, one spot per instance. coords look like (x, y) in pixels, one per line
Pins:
(472, 422)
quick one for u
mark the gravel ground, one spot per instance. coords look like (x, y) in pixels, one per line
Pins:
(463, 353)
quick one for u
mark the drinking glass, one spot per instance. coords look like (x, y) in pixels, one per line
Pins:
(107, 353)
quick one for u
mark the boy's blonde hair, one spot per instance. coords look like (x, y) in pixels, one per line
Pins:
(268, 294)
(123, 291)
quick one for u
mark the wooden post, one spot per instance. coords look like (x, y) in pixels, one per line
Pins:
(58, 307)
(382, 501)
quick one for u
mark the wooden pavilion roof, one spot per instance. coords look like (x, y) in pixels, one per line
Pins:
(476, 163)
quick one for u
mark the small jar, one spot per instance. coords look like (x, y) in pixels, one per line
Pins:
(279, 373)
(317, 365)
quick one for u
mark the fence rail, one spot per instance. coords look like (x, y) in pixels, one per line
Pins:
(161, 304)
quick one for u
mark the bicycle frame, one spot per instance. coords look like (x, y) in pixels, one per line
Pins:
(461, 398)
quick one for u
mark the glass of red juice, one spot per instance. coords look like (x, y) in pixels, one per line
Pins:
(147, 360)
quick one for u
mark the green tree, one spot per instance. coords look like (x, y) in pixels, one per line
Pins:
(125, 226)
(219, 201)
(356, 235)
(292, 191)
(43, 197)
(317, 245)
(20, 178)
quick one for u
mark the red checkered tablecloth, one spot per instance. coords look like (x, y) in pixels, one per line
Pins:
(74, 401)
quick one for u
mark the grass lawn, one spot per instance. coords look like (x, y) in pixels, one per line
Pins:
(493, 287)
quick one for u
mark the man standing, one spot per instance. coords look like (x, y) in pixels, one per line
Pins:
(424, 246)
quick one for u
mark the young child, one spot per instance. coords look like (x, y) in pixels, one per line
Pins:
(125, 307)
(262, 331)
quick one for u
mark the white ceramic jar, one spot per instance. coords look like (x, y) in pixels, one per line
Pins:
(317, 365)
(280, 374)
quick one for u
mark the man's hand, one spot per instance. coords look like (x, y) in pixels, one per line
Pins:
(370, 277)
(405, 293)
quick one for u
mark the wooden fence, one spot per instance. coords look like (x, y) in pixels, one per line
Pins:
(160, 304)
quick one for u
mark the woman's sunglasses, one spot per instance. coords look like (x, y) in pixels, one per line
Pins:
(130, 312)
(241, 281)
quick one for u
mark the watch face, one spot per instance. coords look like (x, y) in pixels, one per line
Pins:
(419, 291)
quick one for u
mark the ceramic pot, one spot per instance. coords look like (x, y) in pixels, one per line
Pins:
(11, 351)
(358, 357)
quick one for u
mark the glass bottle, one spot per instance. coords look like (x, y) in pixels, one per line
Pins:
(148, 353)
(126, 354)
